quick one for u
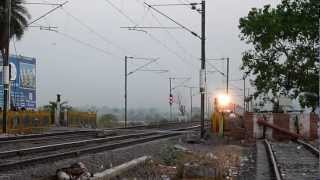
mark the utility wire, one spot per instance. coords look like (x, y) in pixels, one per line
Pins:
(121, 12)
(47, 13)
(215, 68)
(90, 29)
(172, 37)
(141, 67)
(86, 44)
(174, 21)
(164, 45)
(50, 4)
(169, 49)
(150, 35)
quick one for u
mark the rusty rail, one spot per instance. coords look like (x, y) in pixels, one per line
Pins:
(274, 163)
(311, 148)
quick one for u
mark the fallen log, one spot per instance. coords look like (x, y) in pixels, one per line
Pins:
(118, 170)
(294, 136)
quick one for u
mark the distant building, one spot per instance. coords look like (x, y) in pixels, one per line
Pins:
(23, 82)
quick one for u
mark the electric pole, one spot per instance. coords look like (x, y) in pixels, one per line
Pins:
(244, 94)
(5, 71)
(191, 94)
(228, 62)
(203, 47)
(203, 64)
(126, 74)
(170, 97)
(125, 90)
(223, 74)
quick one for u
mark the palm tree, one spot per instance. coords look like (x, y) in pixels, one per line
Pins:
(19, 23)
(52, 106)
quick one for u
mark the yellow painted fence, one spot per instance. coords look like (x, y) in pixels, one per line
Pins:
(82, 119)
(26, 122)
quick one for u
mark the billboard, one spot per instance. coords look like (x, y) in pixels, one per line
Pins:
(23, 82)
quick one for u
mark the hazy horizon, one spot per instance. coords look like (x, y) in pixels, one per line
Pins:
(84, 60)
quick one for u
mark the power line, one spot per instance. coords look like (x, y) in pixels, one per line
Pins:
(90, 29)
(174, 21)
(151, 36)
(50, 4)
(121, 12)
(169, 49)
(47, 13)
(170, 34)
(164, 45)
(86, 44)
(150, 27)
(215, 68)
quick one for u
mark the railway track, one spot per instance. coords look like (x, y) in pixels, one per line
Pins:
(35, 140)
(293, 160)
(18, 158)
(67, 134)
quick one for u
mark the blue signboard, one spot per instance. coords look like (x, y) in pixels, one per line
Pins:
(23, 82)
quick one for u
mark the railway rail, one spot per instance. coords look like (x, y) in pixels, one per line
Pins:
(77, 133)
(18, 158)
(36, 140)
(294, 160)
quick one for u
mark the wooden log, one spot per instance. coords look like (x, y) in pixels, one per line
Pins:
(281, 130)
(110, 173)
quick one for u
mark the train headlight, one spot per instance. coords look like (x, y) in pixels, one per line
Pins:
(223, 100)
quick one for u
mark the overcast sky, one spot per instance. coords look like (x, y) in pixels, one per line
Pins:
(91, 72)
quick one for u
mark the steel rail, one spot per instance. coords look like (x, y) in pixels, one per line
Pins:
(272, 157)
(76, 153)
(88, 135)
(44, 135)
(310, 147)
(54, 147)
(4, 139)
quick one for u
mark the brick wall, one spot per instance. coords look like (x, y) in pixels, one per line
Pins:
(314, 118)
(281, 120)
(248, 124)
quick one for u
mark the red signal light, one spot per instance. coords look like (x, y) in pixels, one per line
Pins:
(170, 99)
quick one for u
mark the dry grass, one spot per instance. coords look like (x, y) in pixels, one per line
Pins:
(224, 159)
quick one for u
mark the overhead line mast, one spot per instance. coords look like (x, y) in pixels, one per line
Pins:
(202, 10)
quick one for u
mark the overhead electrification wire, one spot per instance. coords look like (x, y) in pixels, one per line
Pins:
(121, 12)
(47, 13)
(172, 37)
(169, 49)
(90, 29)
(50, 4)
(215, 68)
(150, 35)
(174, 21)
(86, 44)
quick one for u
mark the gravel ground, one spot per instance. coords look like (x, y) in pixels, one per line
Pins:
(230, 160)
(95, 162)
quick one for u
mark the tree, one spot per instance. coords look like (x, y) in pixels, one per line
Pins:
(108, 120)
(182, 108)
(19, 22)
(52, 106)
(285, 44)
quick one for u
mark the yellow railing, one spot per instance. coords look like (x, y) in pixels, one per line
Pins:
(82, 119)
(26, 122)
